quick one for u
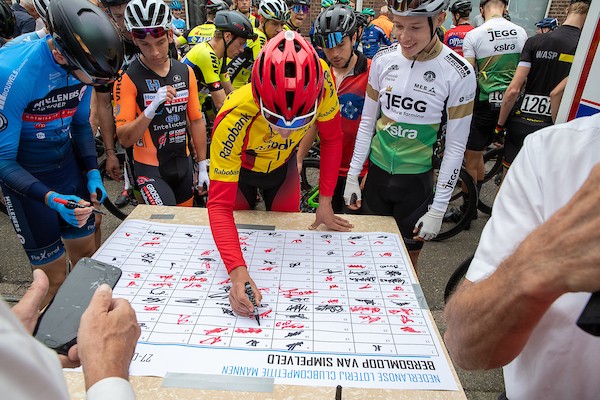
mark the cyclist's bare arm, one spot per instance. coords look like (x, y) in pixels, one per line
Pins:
(305, 144)
(196, 122)
(218, 96)
(198, 132)
(512, 93)
(556, 96)
(228, 86)
(106, 123)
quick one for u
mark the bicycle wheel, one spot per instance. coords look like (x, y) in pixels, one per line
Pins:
(456, 278)
(309, 185)
(461, 208)
(493, 178)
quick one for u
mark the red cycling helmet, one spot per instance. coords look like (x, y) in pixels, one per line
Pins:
(287, 81)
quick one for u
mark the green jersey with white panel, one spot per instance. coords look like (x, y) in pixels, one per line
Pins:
(496, 48)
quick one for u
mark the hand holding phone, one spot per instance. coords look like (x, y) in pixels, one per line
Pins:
(58, 325)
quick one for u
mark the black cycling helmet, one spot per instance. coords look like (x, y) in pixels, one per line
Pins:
(7, 20)
(462, 7)
(333, 24)
(361, 19)
(112, 3)
(236, 23)
(87, 38)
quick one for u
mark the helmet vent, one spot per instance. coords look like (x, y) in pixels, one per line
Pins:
(289, 99)
(290, 70)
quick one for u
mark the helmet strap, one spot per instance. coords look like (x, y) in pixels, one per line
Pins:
(433, 36)
(351, 53)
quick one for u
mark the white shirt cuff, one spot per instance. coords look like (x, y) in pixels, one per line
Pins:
(111, 388)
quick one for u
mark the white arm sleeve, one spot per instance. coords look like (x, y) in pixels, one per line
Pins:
(459, 110)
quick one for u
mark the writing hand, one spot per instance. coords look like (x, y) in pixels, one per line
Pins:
(238, 298)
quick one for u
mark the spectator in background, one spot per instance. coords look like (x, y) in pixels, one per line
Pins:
(26, 15)
(177, 12)
(298, 13)
(373, 36)
(453, 38)
(384, 22)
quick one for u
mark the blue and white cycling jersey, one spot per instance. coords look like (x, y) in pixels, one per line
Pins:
(44, 118)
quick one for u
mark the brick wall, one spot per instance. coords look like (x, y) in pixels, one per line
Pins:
(557, 9)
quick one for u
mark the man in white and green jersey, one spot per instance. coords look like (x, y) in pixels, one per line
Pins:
(416, 86)
(494, 49)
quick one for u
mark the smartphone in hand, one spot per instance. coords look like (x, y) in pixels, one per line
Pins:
(58, 325)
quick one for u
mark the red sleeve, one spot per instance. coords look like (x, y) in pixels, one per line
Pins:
(221, 200)
(331, 153)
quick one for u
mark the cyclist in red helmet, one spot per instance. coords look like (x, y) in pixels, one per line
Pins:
(254, 143)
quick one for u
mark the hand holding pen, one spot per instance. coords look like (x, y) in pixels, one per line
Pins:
(71, 204)
(252, 300)
(68, 207)
(238, 296)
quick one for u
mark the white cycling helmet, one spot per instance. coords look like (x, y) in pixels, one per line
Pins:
(147, 14)
(417, 8)
(41, 6)
(274, 9)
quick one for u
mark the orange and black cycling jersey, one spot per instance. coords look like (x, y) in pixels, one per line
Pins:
(242, 138)
(166, 135)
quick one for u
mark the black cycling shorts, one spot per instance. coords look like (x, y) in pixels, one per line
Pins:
(280, 188)
(405, 197)
(482, 126)
(169, 184)
(517, 129)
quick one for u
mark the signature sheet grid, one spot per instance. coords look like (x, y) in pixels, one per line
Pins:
(323, 292)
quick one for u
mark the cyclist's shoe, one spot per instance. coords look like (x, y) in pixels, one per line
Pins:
(453, 215)
(123, 199)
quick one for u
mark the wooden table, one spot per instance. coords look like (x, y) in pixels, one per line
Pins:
(149, 388)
